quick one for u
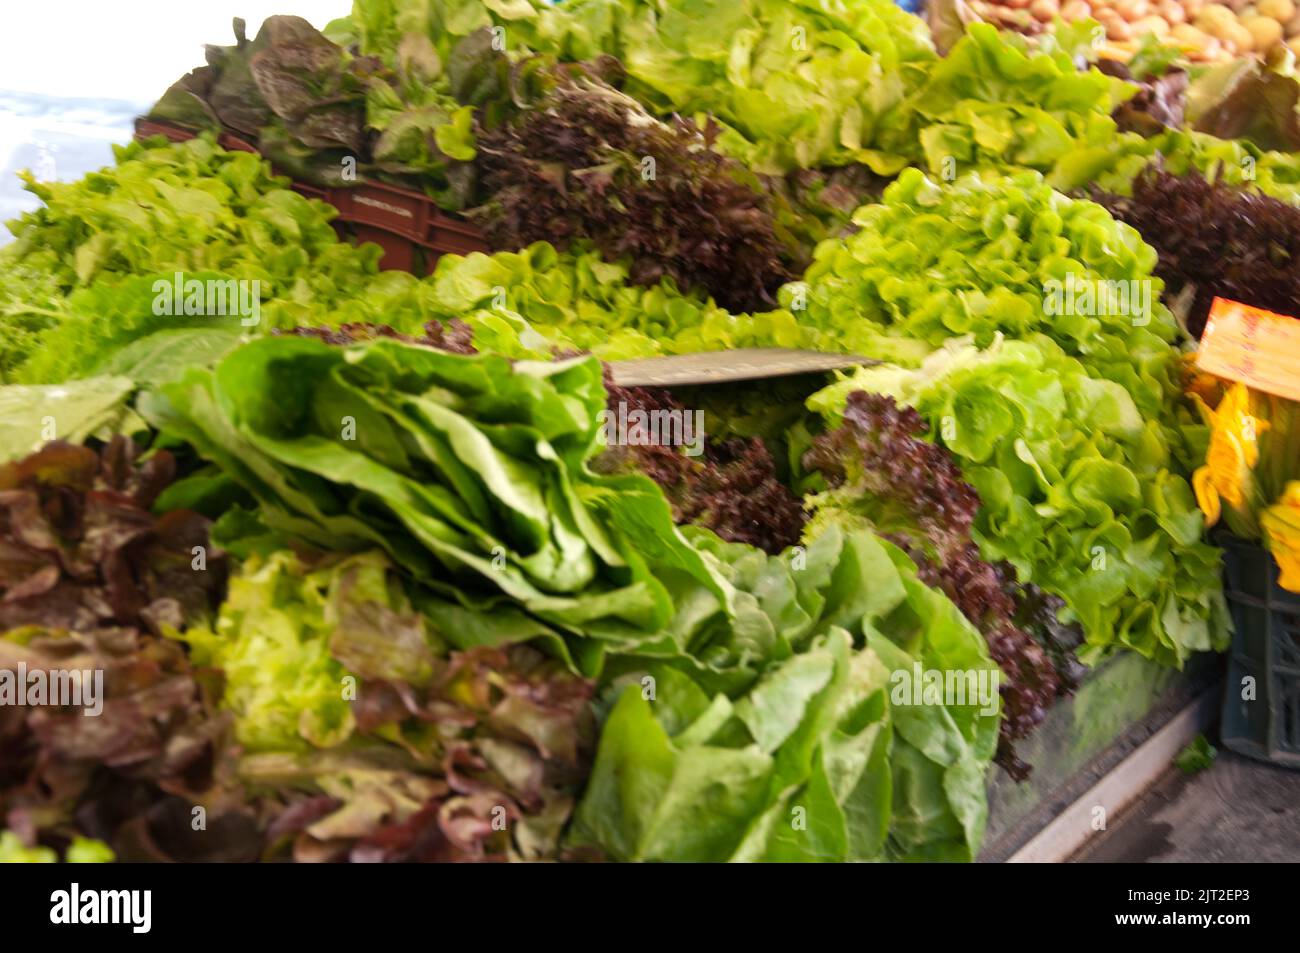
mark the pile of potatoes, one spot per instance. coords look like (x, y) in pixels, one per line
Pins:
(1207, 31)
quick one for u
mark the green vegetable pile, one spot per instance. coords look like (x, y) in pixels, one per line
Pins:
(107, 244)
(802, 766)
(373, 575)
(504, 553)
(978, 256)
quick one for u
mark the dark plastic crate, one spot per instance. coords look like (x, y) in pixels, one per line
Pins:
(1266, 647)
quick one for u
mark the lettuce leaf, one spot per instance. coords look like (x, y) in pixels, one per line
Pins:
(30, 417)
(813, 761)
(1079, 491)
(364, 738)
(469, 471)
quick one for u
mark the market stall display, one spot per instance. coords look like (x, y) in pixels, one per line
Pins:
(1248, 486)
(385, 566)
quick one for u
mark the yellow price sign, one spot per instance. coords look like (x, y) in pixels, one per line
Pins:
(1256, 347)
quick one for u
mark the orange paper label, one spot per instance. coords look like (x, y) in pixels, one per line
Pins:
(1257, 347)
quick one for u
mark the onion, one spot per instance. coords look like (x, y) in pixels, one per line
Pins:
(1172, 11)
(1151, 24)
(1280, 10)
(1132, 10)
(1265, 31)
(1045, 11)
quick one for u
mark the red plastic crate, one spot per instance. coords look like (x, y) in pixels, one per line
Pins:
(152, 127)
(408, 225)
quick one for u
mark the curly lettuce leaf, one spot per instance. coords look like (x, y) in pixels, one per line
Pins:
(1079, 490)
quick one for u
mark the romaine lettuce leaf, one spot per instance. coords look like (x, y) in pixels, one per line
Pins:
(801, 763)
(471, 473)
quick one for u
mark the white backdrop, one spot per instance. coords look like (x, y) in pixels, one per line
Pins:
(73, 73)
(126, 49)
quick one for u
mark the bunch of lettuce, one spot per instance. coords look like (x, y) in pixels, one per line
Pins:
(880, 473)
(1114, 167)
(102, 248)
(1000, 101)
(587, 161)
(1080, 491)
(379, 27)
(819, 759)
(997, 101)
(982, 257)
(469, 471)
(132, 774)
(90, 580)
(364, 739)
(289, 74)
(536, 302)
(728, 485)
(188, 206)
(420, 132)
(329, 117)
(82, 551)
(1222, 240)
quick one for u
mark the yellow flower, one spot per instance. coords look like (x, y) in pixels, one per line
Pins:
(1233, 452)
(1207, 498)
(1281, 525)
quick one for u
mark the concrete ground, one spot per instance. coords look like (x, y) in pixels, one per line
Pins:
(1237, 810)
